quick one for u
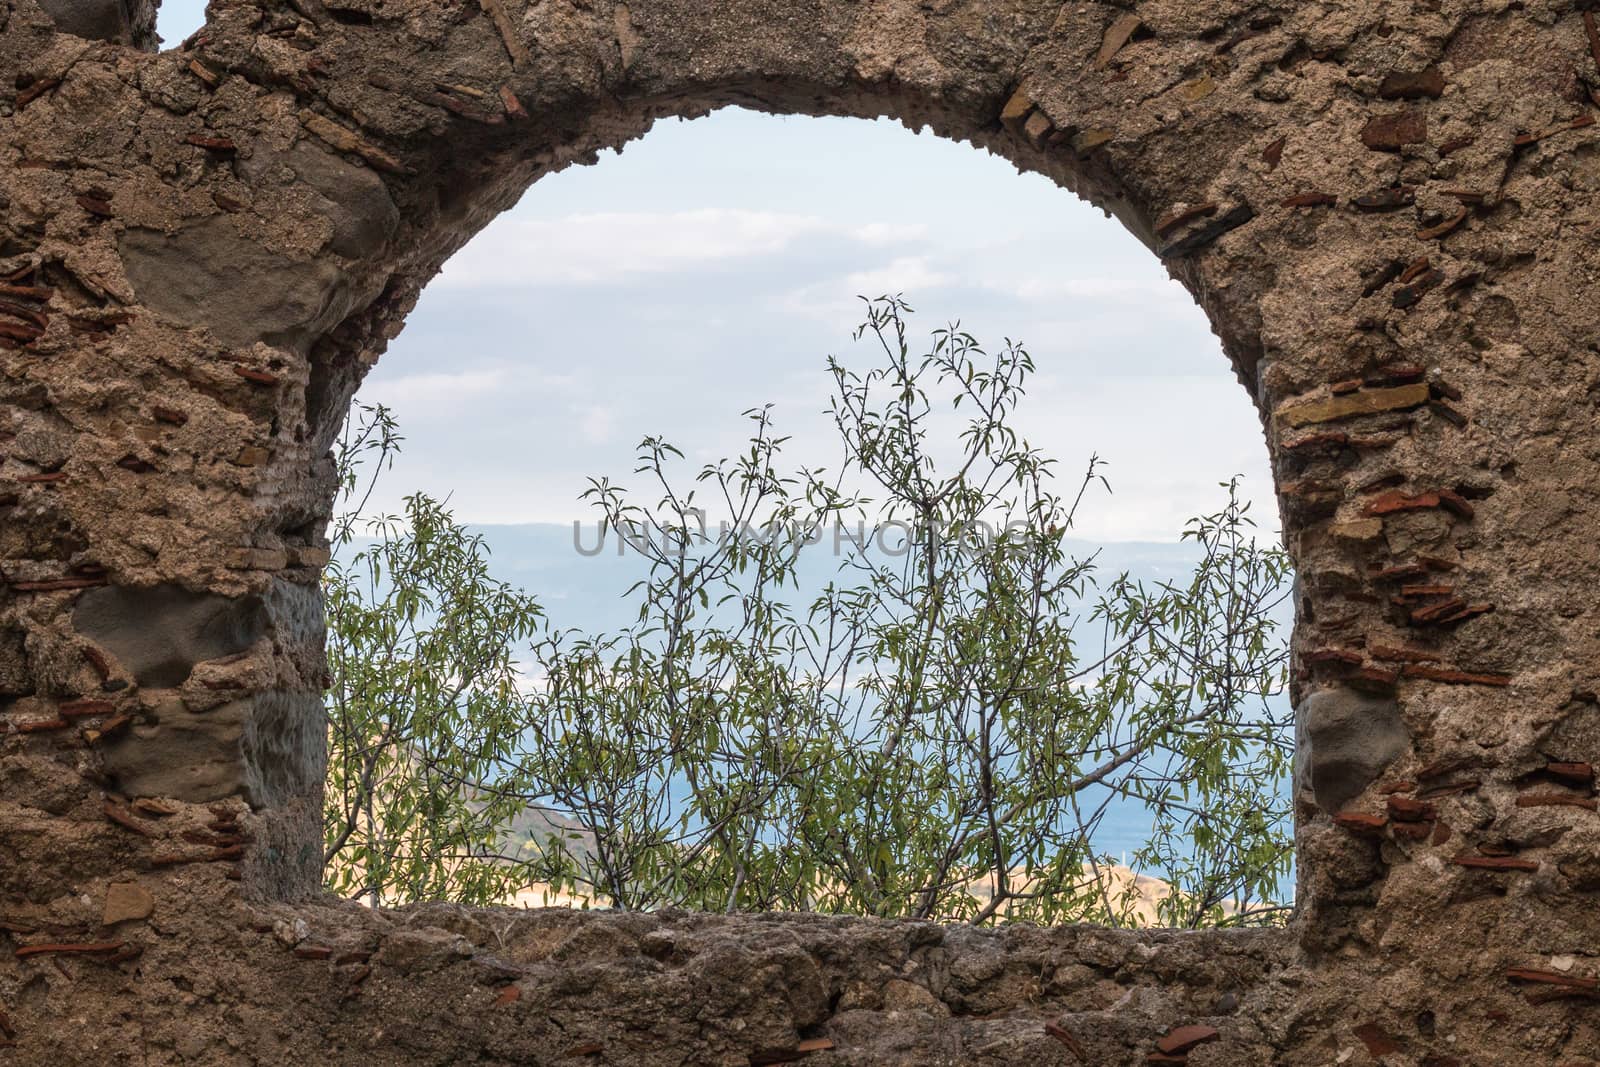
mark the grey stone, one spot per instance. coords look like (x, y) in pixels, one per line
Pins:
(353, 198)
(96, 20)
(207, 275)
(284, 747)
(182, 754)
(1345, 740)
(160, 633)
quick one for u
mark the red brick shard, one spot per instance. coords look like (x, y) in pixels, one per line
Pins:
(1494, 863)
(1443, 229)
(1438, 612)
(313, 952)
(81, 948)
(1118, 34)
(1177, 219)
(1310, 200)
(1455, 503)
(1418, 85)
(513, 106)
(1272, 155)
(1447, 788)
(123, 818)
(85, 708)
(55, 585)
(1067, 1038)
(1412, 831)
(1556, 800)
(1576, 773)
(1451, 677)
(1405, 809)
(1185, 1038)
(212, 144)
(1361, 823)
(1395, 501)
(1373, 679)
(1470, 611)
(1390, 133)
(39, 726)
(1555, 978)
(39, 294)
(1403, 655)
(1377, 1039)
(256, 377)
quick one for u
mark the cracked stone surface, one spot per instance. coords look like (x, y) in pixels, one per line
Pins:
(1387, 210)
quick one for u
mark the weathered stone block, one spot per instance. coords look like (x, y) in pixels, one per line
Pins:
(1344, 741)
(160, 633)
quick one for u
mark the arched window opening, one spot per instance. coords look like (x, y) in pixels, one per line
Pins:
(707, 272)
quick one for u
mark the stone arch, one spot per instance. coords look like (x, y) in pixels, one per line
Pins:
(1386, 211)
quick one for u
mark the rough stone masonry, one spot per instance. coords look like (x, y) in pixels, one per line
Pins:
(1389, 211)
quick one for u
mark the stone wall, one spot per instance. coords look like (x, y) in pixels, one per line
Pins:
(1387, 209)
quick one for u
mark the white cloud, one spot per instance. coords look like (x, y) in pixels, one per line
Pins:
(597, 424)
(589, 248)
(1050, 290)
(433, 392)
(907, 274)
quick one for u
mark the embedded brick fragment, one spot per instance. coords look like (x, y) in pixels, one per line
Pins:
(1272, 155)
(1178, 219)
(1361, 823)
(127, 901)
(1556, 800)
(1576, 773)
(348, 141)
(1495, 863)
(1406, 809)
(1205, 235)
(1118, 34)
(1363, 402)
(1184, 1038)
(1390, 133)
(1427, 83)
(1391, 199)
(1380, 680)
(1376, 1039)
(1540, 976)
(1443, 229)
(81, 948)
(1067, 1038)
(1393, 502)
(1016, 109)
(1453, 677)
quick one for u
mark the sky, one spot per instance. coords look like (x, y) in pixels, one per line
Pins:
(714, 265)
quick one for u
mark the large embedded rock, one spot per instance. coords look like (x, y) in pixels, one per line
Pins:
(97, 20)
(1344, 741)
(159, 634)
(353, 199)
(182, 754)
(208, 275)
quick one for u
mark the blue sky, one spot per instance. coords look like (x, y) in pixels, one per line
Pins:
(713, 266)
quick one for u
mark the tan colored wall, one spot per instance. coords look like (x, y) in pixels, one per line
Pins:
(1387, 209)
